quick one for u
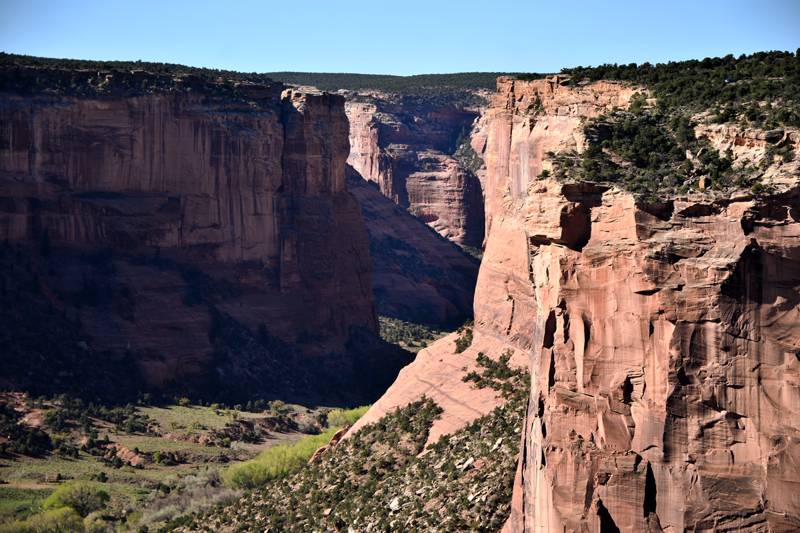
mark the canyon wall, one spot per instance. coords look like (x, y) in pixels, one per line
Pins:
(417, 275)
(409, 146)
(193, 227)
(663, 339)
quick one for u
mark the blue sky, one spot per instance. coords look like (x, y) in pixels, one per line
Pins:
(398, 37)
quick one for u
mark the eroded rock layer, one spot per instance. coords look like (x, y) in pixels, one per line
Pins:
(664, 340)
(409, 147)
(203, 231)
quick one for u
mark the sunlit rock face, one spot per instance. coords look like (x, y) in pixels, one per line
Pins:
(242, 186)
(407, 146)
(663, 340)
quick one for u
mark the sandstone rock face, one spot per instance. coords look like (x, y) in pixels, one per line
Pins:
(214, 217)
(663, 339)
(417, 275)
(437, 373)
(407, 147)
(528, 119)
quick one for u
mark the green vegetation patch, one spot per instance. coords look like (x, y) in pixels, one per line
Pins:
(284, 459)
(18, 503)
(651, 149)
(339, 418)
(175, 417)
(386, 82)
(19, 438)
(377, 480)
(464, 339)
(409, 335)
(62, 520)
(647, 151)
(76, 77)
(81, 496)
(277, 461)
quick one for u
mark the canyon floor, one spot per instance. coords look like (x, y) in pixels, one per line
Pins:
(159, 463)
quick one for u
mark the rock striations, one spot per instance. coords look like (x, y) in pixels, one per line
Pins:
(189, 222)
(663, 339)
(410, 148)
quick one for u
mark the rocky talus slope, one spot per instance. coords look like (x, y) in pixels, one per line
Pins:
(410, 148)
(663, 338)
(198, 233)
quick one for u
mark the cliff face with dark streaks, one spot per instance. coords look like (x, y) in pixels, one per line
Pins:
(663, 339)
(203, 232)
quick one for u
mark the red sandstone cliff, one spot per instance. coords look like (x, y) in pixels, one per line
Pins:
(408, 147)
(222, 213)
(662, 340)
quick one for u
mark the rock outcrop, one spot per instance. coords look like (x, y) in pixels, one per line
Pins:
(438, 373)
(752, 147)
(202, 230)
(417, 275)
(408, 146)
(663, 339)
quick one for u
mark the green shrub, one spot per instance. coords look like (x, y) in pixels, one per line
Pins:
(276, 462)
(63, 520)
(83, 497)
(94, 523)
(464, 341)
(407, 334)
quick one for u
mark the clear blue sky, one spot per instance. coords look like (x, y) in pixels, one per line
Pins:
(398, 37)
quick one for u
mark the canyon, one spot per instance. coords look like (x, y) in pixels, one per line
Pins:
(417, 275)
(414, 150)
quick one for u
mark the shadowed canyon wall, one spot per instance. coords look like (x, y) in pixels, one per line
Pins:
(197, 234)
(417, 275)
